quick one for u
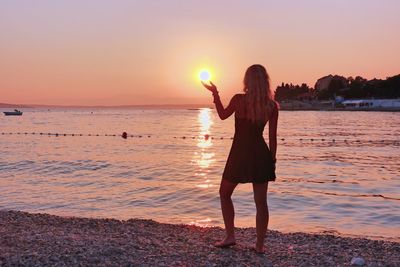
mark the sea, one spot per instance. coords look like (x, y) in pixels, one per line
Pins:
(338, 172)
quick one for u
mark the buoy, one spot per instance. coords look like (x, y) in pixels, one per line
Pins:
(312, 139)
(206, 136)
(124, 135)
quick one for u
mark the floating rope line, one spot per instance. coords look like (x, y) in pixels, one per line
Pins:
(206, 137)
(72, 134)
(355, 195)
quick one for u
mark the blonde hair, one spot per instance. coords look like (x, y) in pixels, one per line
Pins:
(259, 99)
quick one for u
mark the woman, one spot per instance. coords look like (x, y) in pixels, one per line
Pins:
(250, 160)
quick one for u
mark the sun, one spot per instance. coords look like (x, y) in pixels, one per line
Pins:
(204, 75)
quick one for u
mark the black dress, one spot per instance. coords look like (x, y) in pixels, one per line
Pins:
(249, 160)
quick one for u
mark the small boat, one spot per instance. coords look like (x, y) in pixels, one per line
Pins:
(16, 112)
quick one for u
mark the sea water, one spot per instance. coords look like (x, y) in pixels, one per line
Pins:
(337, 172)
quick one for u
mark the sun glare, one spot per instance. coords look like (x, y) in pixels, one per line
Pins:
(205, 75)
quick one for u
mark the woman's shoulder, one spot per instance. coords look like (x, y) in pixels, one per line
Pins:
(275, 104)
(273, 107)
(237, 98)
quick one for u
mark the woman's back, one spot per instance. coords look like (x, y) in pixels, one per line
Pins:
(241, 107)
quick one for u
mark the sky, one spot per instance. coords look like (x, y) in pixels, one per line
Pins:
(96, 52)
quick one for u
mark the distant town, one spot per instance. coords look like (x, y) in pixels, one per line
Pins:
(335, 92)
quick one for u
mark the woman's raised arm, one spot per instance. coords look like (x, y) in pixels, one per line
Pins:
(223, 113)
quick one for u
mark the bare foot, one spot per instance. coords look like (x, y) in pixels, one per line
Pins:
(259, 248)
(227, 242)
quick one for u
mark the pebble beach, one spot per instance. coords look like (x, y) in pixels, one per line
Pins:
(46, 240)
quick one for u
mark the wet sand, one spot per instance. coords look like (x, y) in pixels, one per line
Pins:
(46, 240)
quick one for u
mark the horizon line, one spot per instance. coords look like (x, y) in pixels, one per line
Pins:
(8, 105)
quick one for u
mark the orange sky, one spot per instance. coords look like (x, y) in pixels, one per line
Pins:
(149, 52)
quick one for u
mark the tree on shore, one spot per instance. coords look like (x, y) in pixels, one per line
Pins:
(355, 88)
(291, 92)
(389, 88)
(330, 86)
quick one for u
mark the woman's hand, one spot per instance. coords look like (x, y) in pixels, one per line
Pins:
(211, 87)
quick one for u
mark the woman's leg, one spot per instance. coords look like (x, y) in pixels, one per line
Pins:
(225, 192)
(262, 216)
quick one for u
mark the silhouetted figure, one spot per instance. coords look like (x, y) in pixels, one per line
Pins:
(250, 160)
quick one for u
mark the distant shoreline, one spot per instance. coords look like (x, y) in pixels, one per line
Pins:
(150, 106)
(327, 105)
(341, 109)
(42, 239)
(288, 106)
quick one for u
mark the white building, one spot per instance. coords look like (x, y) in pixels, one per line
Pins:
(372, 104)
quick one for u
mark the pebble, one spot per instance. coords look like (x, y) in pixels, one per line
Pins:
(357, 261)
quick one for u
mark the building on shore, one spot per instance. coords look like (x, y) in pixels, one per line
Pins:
(370, 104)
(325, 82)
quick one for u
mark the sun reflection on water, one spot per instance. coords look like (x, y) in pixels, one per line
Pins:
(203, 157)
(205, 121)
